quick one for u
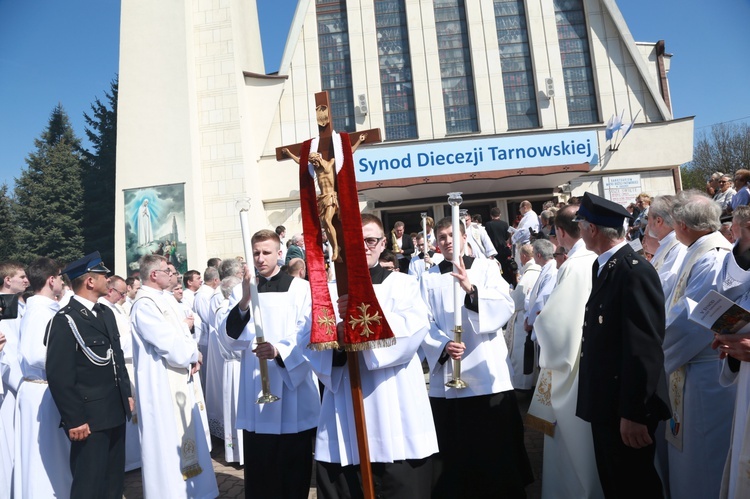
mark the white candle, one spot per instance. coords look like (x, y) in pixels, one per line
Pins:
(244, 207)
(454, 199)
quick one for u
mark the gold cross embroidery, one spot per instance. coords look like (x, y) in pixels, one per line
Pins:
(364, 320)
(327, 321)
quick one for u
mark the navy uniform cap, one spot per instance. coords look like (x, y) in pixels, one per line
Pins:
(603, 212)
(89, 263)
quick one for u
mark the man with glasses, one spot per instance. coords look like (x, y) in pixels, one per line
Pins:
(560, 255)
(725, 193)
(176, 458)
(89, 383)
(400, 430)
(118, 291)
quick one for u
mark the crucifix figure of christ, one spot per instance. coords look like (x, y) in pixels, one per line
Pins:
(336, 210)
(328, 201)
(325, 171)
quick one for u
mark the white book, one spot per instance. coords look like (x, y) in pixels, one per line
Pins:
(719, 314)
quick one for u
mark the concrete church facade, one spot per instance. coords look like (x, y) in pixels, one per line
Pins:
(503, 100)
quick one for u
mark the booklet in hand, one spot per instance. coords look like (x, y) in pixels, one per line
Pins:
(719, 314)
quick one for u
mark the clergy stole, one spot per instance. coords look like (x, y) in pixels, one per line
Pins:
(658, 262)
(364, 322)
(675, 429)
(541, 416)
(178, 378)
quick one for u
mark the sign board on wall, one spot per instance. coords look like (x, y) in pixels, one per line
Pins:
(451, 157)
(622, 189)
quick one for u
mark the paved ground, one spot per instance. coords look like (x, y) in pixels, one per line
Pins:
(229, 476)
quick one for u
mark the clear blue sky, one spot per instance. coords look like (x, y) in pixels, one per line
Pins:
(54, 51)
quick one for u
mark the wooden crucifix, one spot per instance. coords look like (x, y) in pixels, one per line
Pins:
(326, 206)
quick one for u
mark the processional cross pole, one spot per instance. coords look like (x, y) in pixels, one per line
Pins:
(335, 210)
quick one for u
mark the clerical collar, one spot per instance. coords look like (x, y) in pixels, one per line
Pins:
(431, 253)
(447, 266)
(378, 274)
(278, 283)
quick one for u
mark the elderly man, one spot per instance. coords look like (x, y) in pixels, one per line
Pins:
(515, 333)
(702, 408)
(114, 299)
(669, 255)
(522, 233)
(569, 464)
(543, 251)
(735, 349)
(713, 183)
(487, 456)
(725, 193)
(622, 390)
(176, 458)
(296, 249)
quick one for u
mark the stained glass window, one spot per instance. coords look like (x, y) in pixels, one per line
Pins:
(455, 66)
(515, 61)
(335, 62)
(395, 70)
(572, 35)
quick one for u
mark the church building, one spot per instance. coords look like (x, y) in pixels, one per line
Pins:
(503, 100)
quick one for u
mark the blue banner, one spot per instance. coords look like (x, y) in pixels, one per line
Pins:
(451, 157)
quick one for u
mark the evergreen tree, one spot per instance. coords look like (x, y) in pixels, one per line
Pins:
(8, 226)
(49, 195)
(99, 177)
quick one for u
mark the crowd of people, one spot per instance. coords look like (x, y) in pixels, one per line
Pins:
(585, 306)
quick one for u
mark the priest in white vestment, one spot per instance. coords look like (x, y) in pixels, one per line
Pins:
(42, 449)
(222, 374)
(422, 261)
(117, 293)
(13, 281)
(176, 458)
(543, 256)
(400, 429)
(278, 436)
(699, 431)
(515, 334)
(479, 427)
(569, 464)
(477, 238)
(669, 255)
(666, 260)
(202, 307)
(735, 349)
